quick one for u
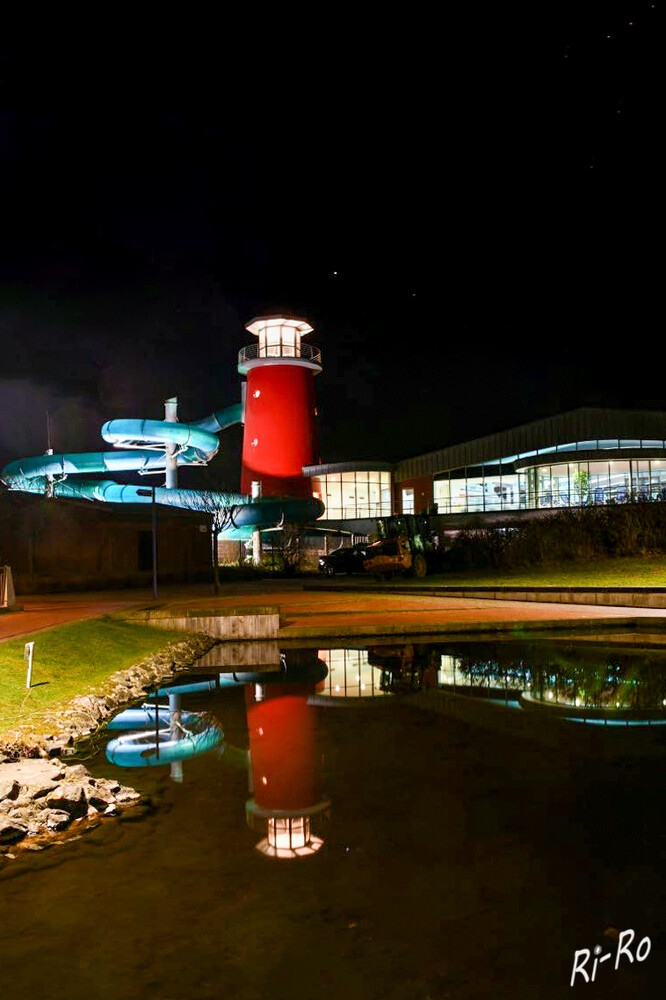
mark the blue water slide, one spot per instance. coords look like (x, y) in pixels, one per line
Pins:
(301, 674)
(140, 446)
(147, 716)
(150, 749)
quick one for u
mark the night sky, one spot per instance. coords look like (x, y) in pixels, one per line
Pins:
(468, 213)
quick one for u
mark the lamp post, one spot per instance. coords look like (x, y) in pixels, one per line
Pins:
(153, 506)
(154, 527)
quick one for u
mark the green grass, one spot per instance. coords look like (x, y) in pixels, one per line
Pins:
(630, 571)
(70, 660)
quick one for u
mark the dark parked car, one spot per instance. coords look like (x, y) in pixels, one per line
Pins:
(348, 559)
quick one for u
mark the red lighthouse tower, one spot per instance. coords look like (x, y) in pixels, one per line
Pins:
(279, 436)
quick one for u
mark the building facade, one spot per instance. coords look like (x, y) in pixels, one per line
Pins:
(353, 490)
(586, 456)
(82, 546)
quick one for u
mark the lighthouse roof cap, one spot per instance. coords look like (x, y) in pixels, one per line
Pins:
(278, 319)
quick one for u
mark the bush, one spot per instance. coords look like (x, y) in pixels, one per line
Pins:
(582, 534)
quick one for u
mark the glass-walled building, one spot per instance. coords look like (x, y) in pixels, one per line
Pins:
(352, 490)
(552, 482)
(571, 460)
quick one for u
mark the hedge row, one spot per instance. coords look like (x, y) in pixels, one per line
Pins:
(629, 529)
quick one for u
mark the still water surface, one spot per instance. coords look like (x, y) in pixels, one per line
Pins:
(396, 821)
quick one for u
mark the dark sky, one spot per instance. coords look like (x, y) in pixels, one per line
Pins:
(467, 211)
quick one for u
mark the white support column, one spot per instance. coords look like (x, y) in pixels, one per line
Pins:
(49, 478)
(171, 417)
(256, 535)
(176, 733)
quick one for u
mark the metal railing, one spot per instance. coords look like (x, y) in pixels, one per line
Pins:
(255, 352)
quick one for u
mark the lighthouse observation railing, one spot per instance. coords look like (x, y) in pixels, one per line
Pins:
(254, 352)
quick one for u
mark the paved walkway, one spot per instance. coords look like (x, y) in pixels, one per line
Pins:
(46, 610)
(311, 613)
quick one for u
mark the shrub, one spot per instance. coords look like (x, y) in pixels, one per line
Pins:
(581, 534)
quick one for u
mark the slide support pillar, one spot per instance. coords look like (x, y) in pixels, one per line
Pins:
(256, 535)
(171, 417)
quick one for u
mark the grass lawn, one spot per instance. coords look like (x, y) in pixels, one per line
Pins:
(70, 660)
(633, 571)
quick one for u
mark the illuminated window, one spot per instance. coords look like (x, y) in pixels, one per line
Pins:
(357, 494)
(441, 494)
(496, 485)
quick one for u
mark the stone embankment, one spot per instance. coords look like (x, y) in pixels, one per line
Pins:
(42, 799)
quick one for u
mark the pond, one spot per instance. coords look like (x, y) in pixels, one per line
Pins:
(403, 820)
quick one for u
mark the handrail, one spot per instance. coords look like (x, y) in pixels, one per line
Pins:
(254, 352)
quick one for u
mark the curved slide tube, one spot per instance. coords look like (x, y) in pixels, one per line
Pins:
(141, 447)
(141, 749)
(312, 673)
(144, 718)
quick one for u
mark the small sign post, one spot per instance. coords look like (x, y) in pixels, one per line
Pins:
(27, 655)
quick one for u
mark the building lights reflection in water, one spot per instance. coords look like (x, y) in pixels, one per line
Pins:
(377, 671)
(350, 675)
(594, 682)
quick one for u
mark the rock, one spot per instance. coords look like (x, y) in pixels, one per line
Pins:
(42, 792)
(9, 789)
(36, 777)
(23, 800)
(88, 704)
(76, 772)
(69, 797)
(126, 795)
(99, 798)
(107, 785)
(29, 814)
(12, 830)
(57, 819)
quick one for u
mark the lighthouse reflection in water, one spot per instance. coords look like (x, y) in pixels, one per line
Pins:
(282, 760)
(284, 774)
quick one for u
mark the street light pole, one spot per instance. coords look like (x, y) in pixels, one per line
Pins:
(154, 512)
